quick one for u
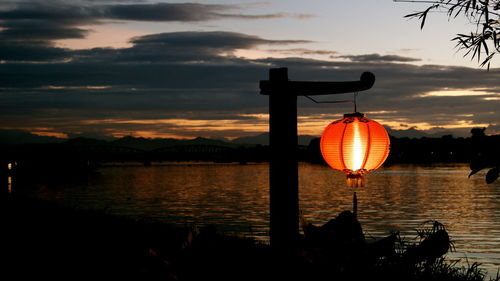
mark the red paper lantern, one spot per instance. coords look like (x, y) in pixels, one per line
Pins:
(355, 145)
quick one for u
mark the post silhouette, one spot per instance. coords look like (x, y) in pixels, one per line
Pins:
(283, 166)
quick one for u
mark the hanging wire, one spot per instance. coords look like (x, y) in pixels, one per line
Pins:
(354, 101)
(336, 101)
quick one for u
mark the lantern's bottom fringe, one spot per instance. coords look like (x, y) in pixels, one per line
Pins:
(355, 181)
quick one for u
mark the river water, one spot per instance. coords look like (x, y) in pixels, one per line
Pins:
(235, 198)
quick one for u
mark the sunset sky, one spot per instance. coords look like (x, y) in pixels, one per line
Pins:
(187, 69)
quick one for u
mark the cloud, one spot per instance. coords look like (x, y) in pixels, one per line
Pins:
(28, 29)
(162, 11)
(31, 53)
(42, 22)
(377, 58)
(303, 51)
(196, 76)
(69, 12)
(218, 39)
(185, 47)
(36, 31)
(216, 90)
(266, 16)
(192, 46)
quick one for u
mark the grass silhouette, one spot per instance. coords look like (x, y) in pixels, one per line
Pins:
(41, 239)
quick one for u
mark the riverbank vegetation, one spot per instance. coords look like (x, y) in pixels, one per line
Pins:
(44, 240)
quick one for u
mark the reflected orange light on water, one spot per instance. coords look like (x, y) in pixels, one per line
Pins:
(9, 184)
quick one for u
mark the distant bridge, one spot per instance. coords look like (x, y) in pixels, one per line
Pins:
(166, 153)
(193, 149)
(87, 155)
(165, 149)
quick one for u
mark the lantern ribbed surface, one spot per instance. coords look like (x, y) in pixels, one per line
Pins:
(355, 144)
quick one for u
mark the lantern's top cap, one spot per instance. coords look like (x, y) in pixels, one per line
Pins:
(354, 114)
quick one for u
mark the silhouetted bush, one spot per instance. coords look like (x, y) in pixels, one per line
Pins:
(44, 240)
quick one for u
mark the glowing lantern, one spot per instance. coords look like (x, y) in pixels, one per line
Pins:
(355, 145)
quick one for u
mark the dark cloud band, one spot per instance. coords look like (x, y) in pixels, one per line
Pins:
(376, 58)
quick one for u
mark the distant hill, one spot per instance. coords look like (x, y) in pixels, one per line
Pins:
(150, 144)
(24, 137)
(414, 133)
(19, 137)
(82, 141)
(205, 141)
(263, 139)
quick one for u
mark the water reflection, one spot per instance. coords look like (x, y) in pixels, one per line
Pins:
(403, 197)
(235, 199)
(9, 184)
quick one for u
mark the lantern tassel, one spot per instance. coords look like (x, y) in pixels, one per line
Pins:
(355, 181)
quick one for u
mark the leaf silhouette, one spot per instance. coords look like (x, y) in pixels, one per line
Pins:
(492, 175)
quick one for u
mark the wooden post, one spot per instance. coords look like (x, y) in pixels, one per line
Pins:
(283, 167)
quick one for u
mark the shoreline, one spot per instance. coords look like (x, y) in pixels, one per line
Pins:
(43, 239)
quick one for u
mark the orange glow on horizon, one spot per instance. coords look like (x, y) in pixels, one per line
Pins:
(59, 135)
(243, 124)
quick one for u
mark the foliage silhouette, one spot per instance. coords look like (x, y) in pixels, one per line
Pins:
(485, 39)
(486, 155)
(61, 243)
